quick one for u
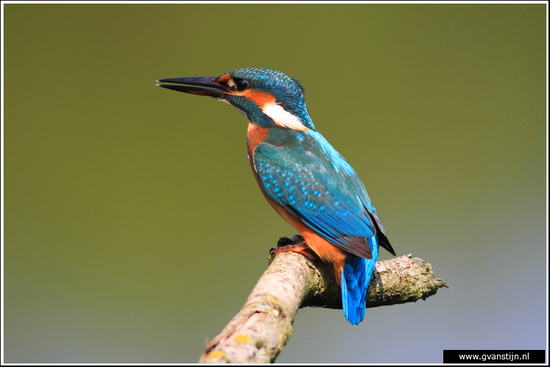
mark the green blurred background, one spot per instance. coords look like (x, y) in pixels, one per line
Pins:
(134, 230)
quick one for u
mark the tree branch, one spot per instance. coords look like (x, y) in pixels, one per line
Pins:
(260, 330)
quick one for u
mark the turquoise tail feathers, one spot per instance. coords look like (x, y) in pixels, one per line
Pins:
(355, 280)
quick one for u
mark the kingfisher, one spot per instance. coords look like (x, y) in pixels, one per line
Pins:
(302, 176)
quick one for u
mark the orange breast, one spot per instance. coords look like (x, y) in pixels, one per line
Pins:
(255, 135)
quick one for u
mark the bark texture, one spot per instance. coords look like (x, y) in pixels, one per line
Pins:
(260, 330)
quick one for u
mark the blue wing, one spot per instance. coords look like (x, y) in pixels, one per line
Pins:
(316, 185)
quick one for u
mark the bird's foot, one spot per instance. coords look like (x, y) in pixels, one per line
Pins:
(285, 241)
(294, 244)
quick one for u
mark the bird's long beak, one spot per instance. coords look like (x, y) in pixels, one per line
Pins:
(204, 86)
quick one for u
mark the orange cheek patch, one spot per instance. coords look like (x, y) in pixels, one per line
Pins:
(260, 98)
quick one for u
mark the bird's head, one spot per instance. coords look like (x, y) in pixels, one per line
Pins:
(267, 97)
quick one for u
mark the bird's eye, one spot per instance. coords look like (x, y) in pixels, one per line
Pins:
(241, 84)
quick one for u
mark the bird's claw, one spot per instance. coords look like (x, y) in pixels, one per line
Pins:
(294, 244)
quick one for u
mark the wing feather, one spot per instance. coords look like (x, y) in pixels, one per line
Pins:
(321, 190)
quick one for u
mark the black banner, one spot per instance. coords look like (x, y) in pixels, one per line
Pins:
(494, 356)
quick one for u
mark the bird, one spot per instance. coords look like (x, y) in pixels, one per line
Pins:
(302, 176)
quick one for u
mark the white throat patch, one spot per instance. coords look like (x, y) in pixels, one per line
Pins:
(282, 117)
